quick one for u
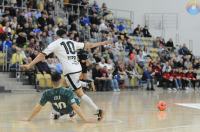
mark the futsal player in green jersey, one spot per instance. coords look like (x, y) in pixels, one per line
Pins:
(62, 100)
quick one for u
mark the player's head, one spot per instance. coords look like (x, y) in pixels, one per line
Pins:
(61, 33)
(56, 79)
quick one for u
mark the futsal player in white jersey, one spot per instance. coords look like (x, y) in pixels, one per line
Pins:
(66, 52)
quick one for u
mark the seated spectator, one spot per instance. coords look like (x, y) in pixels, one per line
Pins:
(95, 7)
(73, 26)
(122, 75)
(85, 20)
(148, 75)
(197, 71)
(103, 27)
(169, 43)
(121, 27)
(110, 65)
(141, 59)
(101, 78)
(166, 67)
(105, 10)
(94, 19)
(107, 80)
(146, 32)
(136, 30)
(114, 81)
(167, 80)
(184, 50)
(16, 60)
(21, 40)
(94, 31)
(191, 79)
(102, 64)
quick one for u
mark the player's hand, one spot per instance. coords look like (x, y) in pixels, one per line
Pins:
(25, 67)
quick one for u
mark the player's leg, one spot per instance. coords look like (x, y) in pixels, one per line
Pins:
(73, 80)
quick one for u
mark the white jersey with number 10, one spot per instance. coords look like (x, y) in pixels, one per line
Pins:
(66, 51)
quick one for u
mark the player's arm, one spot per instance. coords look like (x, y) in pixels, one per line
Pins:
(35, 111)
(93, 45)
(78, 110)
(40, 57)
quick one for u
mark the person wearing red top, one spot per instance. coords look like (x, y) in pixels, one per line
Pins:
(168, 80)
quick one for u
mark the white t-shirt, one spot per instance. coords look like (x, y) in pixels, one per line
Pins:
(66, 51)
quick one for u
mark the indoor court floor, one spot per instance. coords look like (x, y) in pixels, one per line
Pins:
(127, 111)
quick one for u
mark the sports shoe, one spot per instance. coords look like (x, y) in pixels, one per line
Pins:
(72, 114)
(54, 116)
(100, 114)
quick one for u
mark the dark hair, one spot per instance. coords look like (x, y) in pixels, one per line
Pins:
(55, 76)
(61, 32)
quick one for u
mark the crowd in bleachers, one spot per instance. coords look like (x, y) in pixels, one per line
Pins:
(134, 59)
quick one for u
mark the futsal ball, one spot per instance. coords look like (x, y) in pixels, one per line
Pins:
(162, 106)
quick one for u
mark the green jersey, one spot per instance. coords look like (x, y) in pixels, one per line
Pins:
(60, 98)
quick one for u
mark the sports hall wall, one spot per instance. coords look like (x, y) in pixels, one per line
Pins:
(188, 25)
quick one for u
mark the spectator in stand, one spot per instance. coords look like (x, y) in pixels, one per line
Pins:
(94, 31)
(141, 59)
(94, 19)
(42, 21)
(194, 78)
(197, 71)
(121, 27)
(102, 64)
(129, 46)
(104, 10)
(148, 75)
(178, 79)
(114, 81)
(85, 20)
(21, 19)
(50, 20)
(17, 59)
(184, 50)
(136, 30)
(95, 7)
(103, 27)
(167, 80)
(146, 32)
(170, 43)
(21, 40)
(166, 67)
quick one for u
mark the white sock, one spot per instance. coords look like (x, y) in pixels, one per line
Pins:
(89, 101)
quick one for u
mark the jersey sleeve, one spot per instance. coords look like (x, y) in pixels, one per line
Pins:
(52, 47)
(79, 45)
(44, 99)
